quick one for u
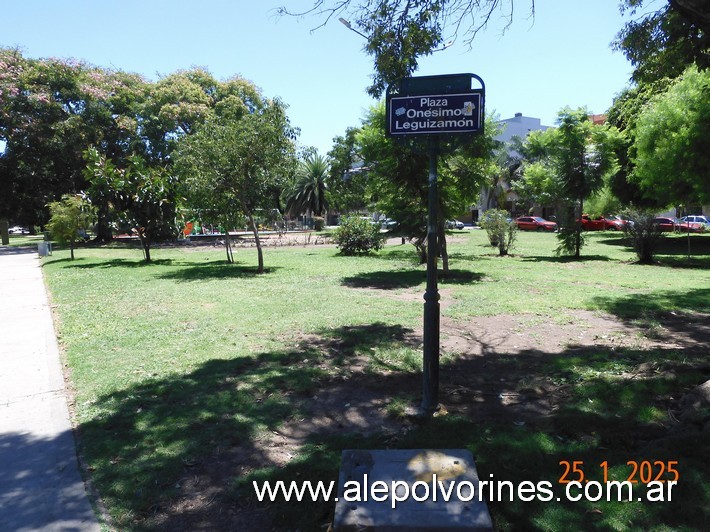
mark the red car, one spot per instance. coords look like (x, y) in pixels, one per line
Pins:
(665, 225)
(599, 223)
(535, 223)
(689, 227)
(668, 225)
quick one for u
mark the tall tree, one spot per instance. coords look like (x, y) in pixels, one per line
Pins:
(347, 179)
(572, 162)
(179, 103)
(672, 143)
(239, 163)
(536, 181)
(51, 111)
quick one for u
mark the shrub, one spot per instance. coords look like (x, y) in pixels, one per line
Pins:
(643, 234)
(318, 223)
(501, 231)
(357, 235)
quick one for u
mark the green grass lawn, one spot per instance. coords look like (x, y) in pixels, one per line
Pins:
(179, 362)
(25, 240)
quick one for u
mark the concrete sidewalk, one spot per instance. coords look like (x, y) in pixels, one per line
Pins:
(40, 486)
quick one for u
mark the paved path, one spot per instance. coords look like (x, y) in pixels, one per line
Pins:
(40, 485)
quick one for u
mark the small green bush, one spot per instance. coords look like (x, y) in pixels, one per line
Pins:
(644, 235)
(357, 235)
(501, 231)
(318, 223)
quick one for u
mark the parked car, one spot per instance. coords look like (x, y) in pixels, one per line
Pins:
(665, 225)
(454, 224)
(697, 218)
(624, 222)
(600, 223)
(17, 230)
(690, 227)
(668, 225)
(535, 223)
(388, 223)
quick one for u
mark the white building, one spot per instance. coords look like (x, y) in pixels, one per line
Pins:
(519, 126)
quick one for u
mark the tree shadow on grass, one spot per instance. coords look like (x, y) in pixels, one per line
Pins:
(690, 323)
(144, 440)
(671, 244)
(214, 270)
(181, 451)
(397, 279)
(386, 280)
(74, 262)
(124, 263)
(185, 271)
(673, 251)
(565, 259)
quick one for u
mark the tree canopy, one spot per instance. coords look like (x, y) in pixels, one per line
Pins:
(51, 111)
(239, 165)
(69, 217)
(664, 41)
(672, 143)
(569, 163)
(399, 32)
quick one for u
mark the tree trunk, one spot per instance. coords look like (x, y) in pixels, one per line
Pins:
(4, 232)
(103, 229)
(259, 251)
(443, 252)
(420, 245)
(71, 249)
(578, 229)
(145, 244)
(228, 247)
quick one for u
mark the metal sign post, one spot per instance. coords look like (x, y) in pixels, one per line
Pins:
(428, 109)
(430, 395)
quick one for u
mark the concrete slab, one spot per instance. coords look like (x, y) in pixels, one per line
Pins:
(41, 487)
(414, 489)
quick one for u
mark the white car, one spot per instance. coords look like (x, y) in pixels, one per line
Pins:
(454, 224)
(17, 230)
(698, 219)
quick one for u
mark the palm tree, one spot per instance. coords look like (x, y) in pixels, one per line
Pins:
(308, 192)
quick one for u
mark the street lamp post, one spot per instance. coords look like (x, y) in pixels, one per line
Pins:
(347, 24)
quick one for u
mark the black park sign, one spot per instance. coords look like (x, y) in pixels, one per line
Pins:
(435, 105)
(440, 113)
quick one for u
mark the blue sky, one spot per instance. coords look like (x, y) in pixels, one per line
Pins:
(561, 57)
